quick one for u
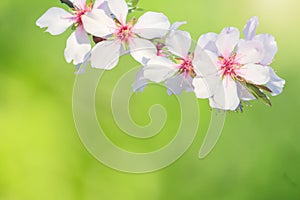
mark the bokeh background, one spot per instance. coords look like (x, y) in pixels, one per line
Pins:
(42, 157)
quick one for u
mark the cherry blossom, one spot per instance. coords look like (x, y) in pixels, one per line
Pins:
(223, 67)
(235, 66)
(275, 83)
(58, 20)
(181, 80)
(179, 71)
(121, 36)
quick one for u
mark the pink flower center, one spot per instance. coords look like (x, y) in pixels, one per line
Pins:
(228, 67)
(187, 68)
(124, 33)
(80, 12)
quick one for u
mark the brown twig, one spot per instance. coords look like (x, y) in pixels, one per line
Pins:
(68, 3)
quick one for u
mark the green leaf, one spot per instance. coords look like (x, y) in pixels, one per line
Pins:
(257, 93)
(139, 9)
(264, 88)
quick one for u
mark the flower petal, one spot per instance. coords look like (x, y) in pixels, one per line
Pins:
(81, 67)
(78, 47)
(179, 43)
(152, 25)
(159, 69)
(120, 9)
(176, 84)
(142, 50)
(250, 51)
(140, 81)
(270, 47)
(98, 23)
(57, 20)
(176, 25)
(204, 64)
(243, 93)
(227, 40)
(98, 4)
(207, 41)
(105, 55)
(276, 83)
(226, 97)
(205, 87)
(79, 4)
(250, 28)
(256, 74)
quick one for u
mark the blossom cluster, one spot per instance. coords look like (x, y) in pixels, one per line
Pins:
(224, 68)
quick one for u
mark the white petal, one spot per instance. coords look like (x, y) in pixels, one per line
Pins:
(152, 25)
(57, 20)
(205, 87)
(105, 55)
(159, 69)
(250, 28)
(177, 84)
(204, 63)
(227, 40)
(98, 23)
(276, 83)
(81, 67)
(270, 47)
(78, 47)
(179, 43)
(103, 5)
(79, 3)
(142, 50)
(226, 97)
(98, 4)
(250, 51)
(140, 81)
(254, 73)
(176, 25)
(119, 8)
(243, 93)
(207, 40)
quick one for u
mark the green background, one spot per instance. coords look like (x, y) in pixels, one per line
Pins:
(42, 157)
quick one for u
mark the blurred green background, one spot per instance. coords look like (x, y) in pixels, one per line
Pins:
(42, 157)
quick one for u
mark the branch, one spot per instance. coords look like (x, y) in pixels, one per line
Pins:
(68, 3)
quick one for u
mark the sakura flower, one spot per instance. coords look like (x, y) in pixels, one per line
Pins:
(140, 81)
(229, 69)
(58, 20)
(178, 72)
(276, 83)
(121, 35)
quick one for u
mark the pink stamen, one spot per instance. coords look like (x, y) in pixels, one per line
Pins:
(228, 67)
(186, 67)
(124, 33)
(80, 12)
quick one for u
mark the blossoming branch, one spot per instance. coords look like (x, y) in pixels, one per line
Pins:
(224, 68)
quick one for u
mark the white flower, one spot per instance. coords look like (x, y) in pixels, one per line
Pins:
(228, 64)
(118, 33)
(141, 82)
(57, 21)
(179, 72)
(276, 83)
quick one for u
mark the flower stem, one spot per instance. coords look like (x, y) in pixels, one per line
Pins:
(68, 3)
